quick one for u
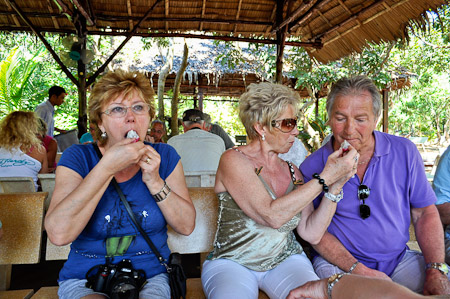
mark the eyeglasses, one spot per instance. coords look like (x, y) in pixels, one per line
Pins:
(363, 194)
(285, 125)
(120, 110)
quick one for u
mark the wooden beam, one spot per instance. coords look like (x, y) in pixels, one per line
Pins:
(54, 19)
(64, 9)
(302, 19)
(237, 15)
(164, 19)
(305, 5)
(44, 41)
(363, 22)
(14, 17)
(166, 13)
(272, 17)
(130, 14)
(203, 14)
(385, 93)
(281, 39)
(84, 12)
(129, 36)
(309, 44)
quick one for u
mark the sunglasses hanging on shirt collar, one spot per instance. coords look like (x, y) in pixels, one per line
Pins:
(363, 194)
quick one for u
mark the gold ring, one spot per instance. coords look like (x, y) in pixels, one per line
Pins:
(148, 161)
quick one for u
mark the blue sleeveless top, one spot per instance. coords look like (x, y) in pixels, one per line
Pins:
(110, 231)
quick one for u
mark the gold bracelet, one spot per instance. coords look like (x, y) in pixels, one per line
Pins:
(332, 281)
(165, 191)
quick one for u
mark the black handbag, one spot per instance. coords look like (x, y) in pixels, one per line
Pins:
(177, 278)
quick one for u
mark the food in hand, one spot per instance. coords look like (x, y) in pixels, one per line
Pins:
(345, 145)
(132, 134)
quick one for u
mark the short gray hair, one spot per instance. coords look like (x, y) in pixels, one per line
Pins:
(354, 85)
(263, 102)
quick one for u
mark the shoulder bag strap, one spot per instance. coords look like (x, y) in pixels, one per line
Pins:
(161, 260)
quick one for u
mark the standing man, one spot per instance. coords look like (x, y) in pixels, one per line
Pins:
(46, 110)
(199, 149)
(369, 231)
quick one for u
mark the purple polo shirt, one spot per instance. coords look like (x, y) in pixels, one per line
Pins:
(396, 177)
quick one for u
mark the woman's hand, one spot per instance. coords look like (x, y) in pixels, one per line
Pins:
(122, 155)
(312, 289)
(149, 164)
(340, 167)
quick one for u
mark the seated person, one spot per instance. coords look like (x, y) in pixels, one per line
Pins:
(157, 133)
(341, 286)
(199, 149)
(218, 130)
(21, 151)
(49, 143)
(441, 187)
(86, 210)
(261, 201)
(370, 229)
(88, 137)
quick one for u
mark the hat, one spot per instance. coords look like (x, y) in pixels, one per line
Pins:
(193, 115)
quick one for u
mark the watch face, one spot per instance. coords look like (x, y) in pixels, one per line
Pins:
(444, 268)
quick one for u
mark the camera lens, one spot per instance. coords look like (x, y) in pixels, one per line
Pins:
(123, 288)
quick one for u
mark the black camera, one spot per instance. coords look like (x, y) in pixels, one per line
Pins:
(117, 281)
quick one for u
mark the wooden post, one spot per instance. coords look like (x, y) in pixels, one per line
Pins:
(281, 39)
(385, 93)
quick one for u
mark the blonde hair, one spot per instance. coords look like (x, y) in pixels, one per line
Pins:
(264, 102)
(19, 129)
(115, 84)
(42, 127)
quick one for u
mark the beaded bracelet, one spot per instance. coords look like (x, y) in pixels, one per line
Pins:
(321, 181)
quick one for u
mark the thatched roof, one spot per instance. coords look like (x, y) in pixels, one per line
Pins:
(328, 29)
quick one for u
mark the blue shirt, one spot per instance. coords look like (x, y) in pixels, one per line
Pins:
(110, 231)
(441, 183)
(86, 137)
(46, 111)
(396, 177)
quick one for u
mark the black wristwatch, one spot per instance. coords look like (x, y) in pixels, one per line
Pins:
(442, 267)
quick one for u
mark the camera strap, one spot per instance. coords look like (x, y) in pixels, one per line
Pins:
(161, 260)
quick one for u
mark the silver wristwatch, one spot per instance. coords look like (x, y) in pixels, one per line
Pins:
(334, 198)
(332, 281)
(442, 267)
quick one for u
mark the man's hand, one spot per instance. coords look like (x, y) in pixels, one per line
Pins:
(366, 271)
(436, 283)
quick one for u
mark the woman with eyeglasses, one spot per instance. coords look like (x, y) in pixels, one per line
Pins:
(86, 209)
(262, 199)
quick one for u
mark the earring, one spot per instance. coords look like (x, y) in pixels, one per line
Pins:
(263, 137)
(104, 135)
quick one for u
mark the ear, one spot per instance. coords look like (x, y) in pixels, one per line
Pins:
(100, 126)
(260, 129)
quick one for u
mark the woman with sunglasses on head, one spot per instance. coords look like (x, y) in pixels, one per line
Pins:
(86, 209)
(262, 199)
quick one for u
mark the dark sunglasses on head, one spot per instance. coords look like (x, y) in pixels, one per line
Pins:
(363, 194)
(285, 125)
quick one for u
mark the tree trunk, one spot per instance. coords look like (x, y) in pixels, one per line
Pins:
(176, 92)
(162, 82)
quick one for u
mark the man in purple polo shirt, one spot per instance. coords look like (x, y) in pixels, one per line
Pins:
(369, 231)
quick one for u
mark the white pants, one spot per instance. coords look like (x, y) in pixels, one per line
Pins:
(226, 279)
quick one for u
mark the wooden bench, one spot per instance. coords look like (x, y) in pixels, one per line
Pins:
(16, 184)
(22, 216)
(200, 241)
(47, 181)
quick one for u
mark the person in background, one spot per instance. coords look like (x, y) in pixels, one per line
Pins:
(86, 209)
(296, 154)
(441, 188)
(21, 151)
(370, 229)
(218, 130)
(342, 286)
(199, 149)
(49, 143)
(46, 110)
(262, 200)
(157, 132)
(88, 137)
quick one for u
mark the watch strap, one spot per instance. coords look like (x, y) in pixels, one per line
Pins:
(332, 281)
